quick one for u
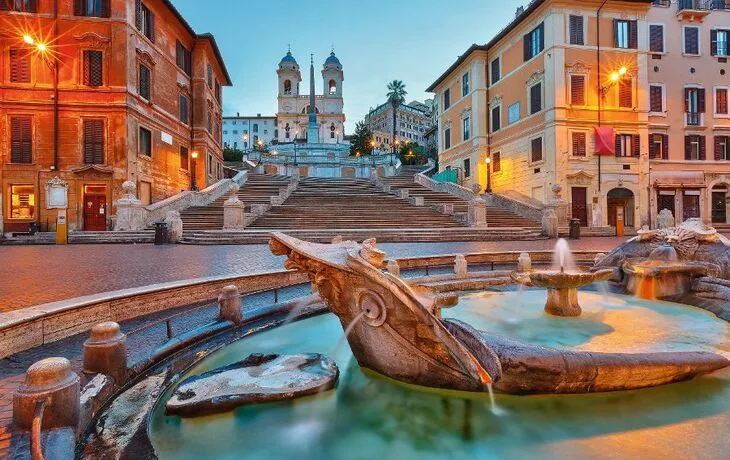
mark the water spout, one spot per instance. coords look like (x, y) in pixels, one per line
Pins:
(563, 257)
(349, 329)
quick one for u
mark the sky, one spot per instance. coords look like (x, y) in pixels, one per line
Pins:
(377, 41)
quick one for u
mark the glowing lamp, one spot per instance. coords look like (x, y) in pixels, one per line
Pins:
(41, 47)
(28, 39)
(622, 71)
(194, 155)
(615, 76)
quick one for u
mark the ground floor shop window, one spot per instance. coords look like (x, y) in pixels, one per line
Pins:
(22, 202)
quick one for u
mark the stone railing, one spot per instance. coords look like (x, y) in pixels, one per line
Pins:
(445, 187)
(517, 203)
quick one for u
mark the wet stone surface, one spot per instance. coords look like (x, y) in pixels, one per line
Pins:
(256, 379)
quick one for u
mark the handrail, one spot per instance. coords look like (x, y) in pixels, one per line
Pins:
(36, 450)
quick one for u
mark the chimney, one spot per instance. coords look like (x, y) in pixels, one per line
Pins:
(520, 10)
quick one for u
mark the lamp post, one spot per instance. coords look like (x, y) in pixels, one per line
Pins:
(489, 174)
(372, 152)
(392, 153)
(296, 135)
(193, 175)
(245, 144)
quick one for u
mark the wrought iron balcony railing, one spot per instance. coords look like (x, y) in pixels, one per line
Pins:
(694, 119)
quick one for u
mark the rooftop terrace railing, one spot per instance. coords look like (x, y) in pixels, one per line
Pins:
(697, 5)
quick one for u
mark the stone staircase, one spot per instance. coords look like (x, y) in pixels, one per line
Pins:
(258, 189)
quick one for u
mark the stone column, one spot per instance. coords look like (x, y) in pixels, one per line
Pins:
(51, 380)
(105, 352)
(131, 213)
(234, 217)
(230, 305)
(477, 215)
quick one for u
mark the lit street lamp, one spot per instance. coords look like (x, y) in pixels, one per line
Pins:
(489, 174)
(193, 175)
(372, 152)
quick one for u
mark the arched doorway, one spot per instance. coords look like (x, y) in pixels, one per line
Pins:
(623, 199)
(719, 204)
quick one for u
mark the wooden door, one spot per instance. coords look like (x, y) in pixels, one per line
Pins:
(580, 204)
(95, 212)
(719, 212)
(691, 204)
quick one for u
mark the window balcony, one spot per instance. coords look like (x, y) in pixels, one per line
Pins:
(694, 119)
(692, 10)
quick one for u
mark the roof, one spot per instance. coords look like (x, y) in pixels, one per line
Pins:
(528, 10)
(206, 36)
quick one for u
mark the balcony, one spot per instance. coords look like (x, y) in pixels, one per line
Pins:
(694, 119)
(696, 10)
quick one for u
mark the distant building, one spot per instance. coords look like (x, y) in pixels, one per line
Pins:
(414, 119)
(244, 133)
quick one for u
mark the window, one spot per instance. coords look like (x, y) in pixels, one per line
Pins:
(210, 164)
(576, 30)
(496, 118)
(210, 76)
(628, 145)
(210, 122)
(694, 105)
(694, 148)
(578, 89)
(94, 142)
(447, 99)
(722, 148)
(217, 91)
(535, 98)
(21, 140)
(721, 106)
(496, 71)
(184, 158)
(625, 93)
(579, 144)
(19, 66)
(659, 146)
(719, 42)
(534, 42)
(145, 85)
(467, 167)
(656, 38)
(183, 58)
(656, 98)
(496, 162)
(466, 126)
(93, 68)
(692, 40)
(465, 85)
(625, 34)
(184, 109)
(145, 142)
(145, 20)
(513, 113)
(24, 6)
(255, 127)
(447, 138)
(536, 150)
(22, 202)
(92, 8)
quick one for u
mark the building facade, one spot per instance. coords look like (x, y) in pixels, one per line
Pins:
(622, 104)
(97, 94)
(414, 119)
(244, 133)
(293, 111)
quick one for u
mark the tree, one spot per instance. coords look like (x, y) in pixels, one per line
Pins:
(361, 140)
(412, 153)
(396, 96)
(230, 154)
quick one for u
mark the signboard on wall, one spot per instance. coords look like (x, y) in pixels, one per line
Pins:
(166, 138)
(56, 194)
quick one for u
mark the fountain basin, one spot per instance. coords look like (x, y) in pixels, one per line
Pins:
(656, 279)
(562, 287)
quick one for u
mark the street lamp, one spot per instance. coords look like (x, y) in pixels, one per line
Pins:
(296, 135)
(488, 160)
(372, 152)
(193, 175)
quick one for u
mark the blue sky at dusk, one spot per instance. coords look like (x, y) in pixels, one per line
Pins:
(376, 41)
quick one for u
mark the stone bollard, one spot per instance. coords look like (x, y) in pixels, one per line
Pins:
(418, 201)
(549, 223)
(230, 303)
(105, 352)
(131, 212)
(461, 267)
(477, 215)
(524, 263)
(337, 239)
(175, 224)
(234, 217)
(393, 268)
(50, 380)
(448, 209)
(403, 193)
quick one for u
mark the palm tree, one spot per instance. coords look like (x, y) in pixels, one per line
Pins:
(396, 96)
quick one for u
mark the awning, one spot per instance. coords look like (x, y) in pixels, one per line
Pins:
(605, 141)
(678, 179)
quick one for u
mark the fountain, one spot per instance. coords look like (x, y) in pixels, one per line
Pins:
(562, 282)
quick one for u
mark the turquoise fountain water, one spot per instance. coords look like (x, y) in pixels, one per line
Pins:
(368, 416)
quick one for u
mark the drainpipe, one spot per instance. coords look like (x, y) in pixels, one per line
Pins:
(55, 89)
(598, 79)
(489, 118)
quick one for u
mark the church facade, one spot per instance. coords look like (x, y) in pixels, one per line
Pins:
(294, 107)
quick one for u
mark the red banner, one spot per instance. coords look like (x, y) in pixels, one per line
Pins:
(605, 141)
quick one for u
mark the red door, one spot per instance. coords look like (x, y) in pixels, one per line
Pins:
(94, 213)
(580, 204)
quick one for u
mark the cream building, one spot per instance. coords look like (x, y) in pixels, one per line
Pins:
(414, 119)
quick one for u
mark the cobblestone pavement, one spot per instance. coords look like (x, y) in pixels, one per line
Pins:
(32, 275)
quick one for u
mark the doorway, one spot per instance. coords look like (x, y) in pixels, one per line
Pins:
(621, 198)
(691, 205)
(579, 204)
(95, 208)
(719, 206)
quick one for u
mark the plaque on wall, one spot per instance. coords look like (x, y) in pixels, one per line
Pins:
(56, 194)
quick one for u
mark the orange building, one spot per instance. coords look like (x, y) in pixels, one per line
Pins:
(94, 93)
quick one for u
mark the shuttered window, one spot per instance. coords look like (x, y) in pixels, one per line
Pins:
(21, 140)
(496, 162)
(184, 109)
(92, 8)
(656, 38)
(659, 146)
(695, 148)
(447, 99)
(694, 100)
(656, 98)
(722, 148)
(210, 121)
(144, 20)
(94, 142)
(467, 167)
(145, 142)
(628, 145)
(576, 30)
(535, 98)
(719, 39)
(447, 138)
(536, 150)
(217, 91)
(210, 76)
(721, 105)
(692, 40)
(184, 59)
(534, 42)
(93, 68)
(184, 160)
(496, 71)
(625, 94)
(579, 144)
(496, 118)
(19, 66)
(145, 82)
(24, 6)
(578, 89)
(625, 34)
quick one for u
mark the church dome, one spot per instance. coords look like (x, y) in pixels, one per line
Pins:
(288, 62)
(332, 62)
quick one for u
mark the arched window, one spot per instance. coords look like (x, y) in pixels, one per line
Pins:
(333, 87)
(287, 86)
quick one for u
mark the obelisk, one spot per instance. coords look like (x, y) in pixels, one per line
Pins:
(312, 128)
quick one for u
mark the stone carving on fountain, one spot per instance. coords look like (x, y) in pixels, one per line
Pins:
(397, 330)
